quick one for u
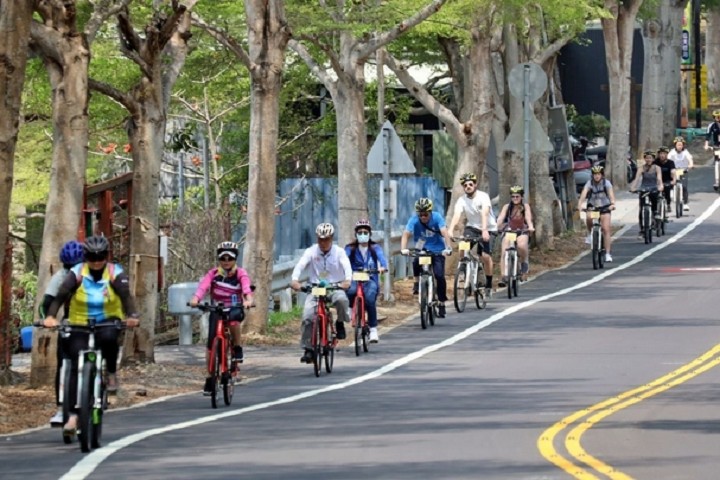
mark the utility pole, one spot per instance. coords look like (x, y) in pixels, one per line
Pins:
(698, 61)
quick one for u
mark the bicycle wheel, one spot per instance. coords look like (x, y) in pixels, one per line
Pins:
(317, 348)
(423, 305)
(510, 268)
(85, 416)
(365, 337)
(647, 230)
(678, 200)
(479, 288)
(460, 287)
(215, 369)
(329, 350)
(432, 302)
(66, 402)
(601, 249)
(228, 382)
(357, 320)
(97, 416)
(515, 277)
(595, 248)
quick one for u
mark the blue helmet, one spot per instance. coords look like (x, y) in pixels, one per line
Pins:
(72, 253)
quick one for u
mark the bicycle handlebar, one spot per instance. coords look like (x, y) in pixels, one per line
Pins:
(218, 307)
(420, 252)
(66, 327)
(330, 287)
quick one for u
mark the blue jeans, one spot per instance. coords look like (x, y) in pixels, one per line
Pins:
(370, 289)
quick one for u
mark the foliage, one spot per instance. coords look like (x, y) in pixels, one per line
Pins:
(23, 303)
(589, 126)
(280, 319)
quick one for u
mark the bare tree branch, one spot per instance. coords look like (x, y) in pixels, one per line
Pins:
(103, 10)
(224, 39)
(122, 98)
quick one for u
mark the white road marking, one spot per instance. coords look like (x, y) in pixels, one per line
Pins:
(92, 460)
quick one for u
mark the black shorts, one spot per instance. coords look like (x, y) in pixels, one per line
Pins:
(483, 247)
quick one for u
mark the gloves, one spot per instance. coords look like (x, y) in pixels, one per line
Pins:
(405, 251)
(447, 252)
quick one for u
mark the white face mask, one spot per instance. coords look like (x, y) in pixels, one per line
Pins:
(363, 237)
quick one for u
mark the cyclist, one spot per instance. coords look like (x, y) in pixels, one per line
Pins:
(648, 177)
(516, 215)
(365, 254)
(327, 264)
(226, 283)
(93, 289)
(712, 139)
(427, 228)
(70, 255)
(683, 161)
(481, 222)
(599, 193)
(667, 167)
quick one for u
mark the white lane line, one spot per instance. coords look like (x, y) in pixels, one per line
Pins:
(92, 460)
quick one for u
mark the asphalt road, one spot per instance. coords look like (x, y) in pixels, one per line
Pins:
(586, 374)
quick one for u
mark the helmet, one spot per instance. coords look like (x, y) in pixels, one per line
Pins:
(363, 223)
(227, 248)
(716, 113)
(325, 230)
(96, 244)
(663, 149)
(598, 169)
(423, 205)
(72, 253)
(649, 152)
(468, 177)
(679, 139)
(517, 189)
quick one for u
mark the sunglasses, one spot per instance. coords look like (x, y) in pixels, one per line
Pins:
(362, 232)
(96, 257)
(468, 184)
(515, 196)
(227, 258)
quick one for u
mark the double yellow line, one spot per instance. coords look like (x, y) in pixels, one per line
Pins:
(582, 463)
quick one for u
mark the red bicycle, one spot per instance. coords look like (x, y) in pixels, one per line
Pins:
(359, 317)
(324, 339)
(221, 366)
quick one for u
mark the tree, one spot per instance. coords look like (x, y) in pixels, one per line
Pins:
(14, 37)
(65, 52)
(712, 45)
(267, 37)
(159, 54)
(618, 30)
(343, 37)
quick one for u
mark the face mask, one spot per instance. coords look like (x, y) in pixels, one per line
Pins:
(363, 237)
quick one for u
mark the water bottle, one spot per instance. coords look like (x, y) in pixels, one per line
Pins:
(234, 299)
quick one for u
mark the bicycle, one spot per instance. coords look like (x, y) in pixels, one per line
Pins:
(427, 296)
(91, 395)
(468, 277)
(512, 267)
(324, 339)
(646, 215)
(661, 216)
(597, 243)
(678, 193)
(716, 157)
(221, 364)
(359, 316)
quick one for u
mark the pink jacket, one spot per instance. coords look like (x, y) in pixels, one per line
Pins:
(222, 287)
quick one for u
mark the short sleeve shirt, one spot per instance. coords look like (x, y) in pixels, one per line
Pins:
(472, 208)
(428, 235)
(666, 169)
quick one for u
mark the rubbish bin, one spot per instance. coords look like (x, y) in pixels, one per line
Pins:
(178, 296)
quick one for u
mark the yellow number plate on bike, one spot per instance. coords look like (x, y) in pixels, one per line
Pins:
(511, 236)
(425, 260)
(361, 276)
(464, 246)
(319, 291)
(594, 214)
(679, 172)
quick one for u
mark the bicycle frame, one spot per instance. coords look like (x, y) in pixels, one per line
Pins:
(472, 262)
(646, 215)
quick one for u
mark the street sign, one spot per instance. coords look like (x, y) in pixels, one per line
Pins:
(537, 81)
(399, 159)
(685, 48)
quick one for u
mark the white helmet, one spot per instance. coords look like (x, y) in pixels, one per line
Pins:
(325, 230)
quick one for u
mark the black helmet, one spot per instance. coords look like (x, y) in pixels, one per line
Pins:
(424, 205)
(97, 245)
(468, 177)
(649, 152)
(663, 149)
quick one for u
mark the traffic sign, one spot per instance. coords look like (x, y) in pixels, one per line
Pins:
(399, 159)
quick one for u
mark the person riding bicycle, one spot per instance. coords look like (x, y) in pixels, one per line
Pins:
(648, 177)
(600, 195)
(667, 167)
(71, 254)
(93, 289)
(429, 232)
(712, 139)
(328, 264)
(226, 284)
(481, 222)
(683, 162)
(516, 215)
(365, 254)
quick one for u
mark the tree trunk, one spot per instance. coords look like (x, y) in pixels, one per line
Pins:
(64, 206)
(655, 38)
(672, 71)
(267, 40)
(712, 49)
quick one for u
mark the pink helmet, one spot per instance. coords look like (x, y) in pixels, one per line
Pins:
(363, 223)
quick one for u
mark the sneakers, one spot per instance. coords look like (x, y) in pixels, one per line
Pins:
(340, 330)
(207, 389)
(524, 268)
(608, 258)
(307, 356)
(686, 208)
(588, 239)
(238, 354)
(57, 419)
(441, 311)
(374, 338)
(112, 383)
(415, 288)
(502, 283)
(488, 292)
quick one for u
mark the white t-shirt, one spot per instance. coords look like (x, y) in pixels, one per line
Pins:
(472, 207)
(332, 267)
(681, 159)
